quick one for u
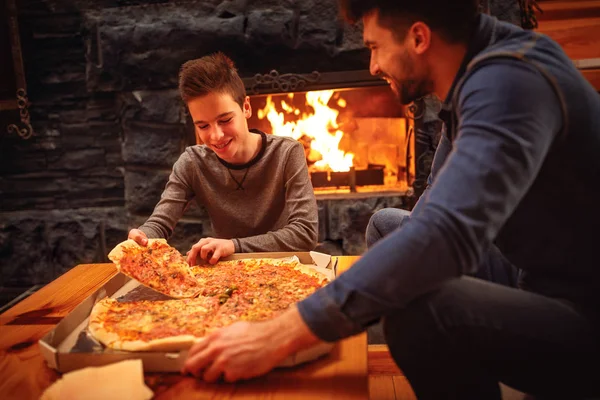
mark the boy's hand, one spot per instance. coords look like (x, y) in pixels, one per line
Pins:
(138, 236)
(210, 249)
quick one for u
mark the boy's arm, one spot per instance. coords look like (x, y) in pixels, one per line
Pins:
(173, 201)
(302, 229)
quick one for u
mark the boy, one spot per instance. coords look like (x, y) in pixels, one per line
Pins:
(254, 186)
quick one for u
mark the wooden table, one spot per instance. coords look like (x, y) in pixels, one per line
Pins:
(24, 374)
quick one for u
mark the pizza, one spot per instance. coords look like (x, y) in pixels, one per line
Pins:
(229, 291)
(261, 281)
(256, 289)
(157, 265)
(143, 325)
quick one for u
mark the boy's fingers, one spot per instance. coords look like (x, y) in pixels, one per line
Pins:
(216, 256)
(191, 256)
(138, 236)
(206, 250)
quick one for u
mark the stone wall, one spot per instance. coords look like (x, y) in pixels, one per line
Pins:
(108, 122)
(343, 222)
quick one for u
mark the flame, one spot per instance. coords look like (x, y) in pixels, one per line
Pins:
(321, 128)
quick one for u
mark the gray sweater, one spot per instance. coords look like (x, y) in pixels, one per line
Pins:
(274, 209)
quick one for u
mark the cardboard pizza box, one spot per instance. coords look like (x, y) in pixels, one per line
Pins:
(69, 347)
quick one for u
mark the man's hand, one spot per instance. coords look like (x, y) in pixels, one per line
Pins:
(210, 249)
(138, 236)
(248, 349)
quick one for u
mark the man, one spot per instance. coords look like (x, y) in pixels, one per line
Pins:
(493, 267)
(255, 187)
(518, 168)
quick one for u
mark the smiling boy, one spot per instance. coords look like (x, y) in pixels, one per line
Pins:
(255, 187)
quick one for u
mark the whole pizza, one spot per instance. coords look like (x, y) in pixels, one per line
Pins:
(204, 297)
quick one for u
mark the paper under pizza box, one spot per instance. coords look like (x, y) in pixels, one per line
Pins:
(69, 347)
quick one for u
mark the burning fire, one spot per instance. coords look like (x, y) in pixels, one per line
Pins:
(320, 128)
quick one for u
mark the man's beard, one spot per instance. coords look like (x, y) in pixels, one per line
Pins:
(411, 90)
(412, 87)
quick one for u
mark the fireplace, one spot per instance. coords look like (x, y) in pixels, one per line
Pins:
(109, 123)
(354, 132)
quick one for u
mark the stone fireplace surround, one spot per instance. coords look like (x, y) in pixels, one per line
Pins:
(109, 123)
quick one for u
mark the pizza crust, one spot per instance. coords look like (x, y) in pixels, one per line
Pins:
(96, 325)
(174, 343)
(117, 253)
(112, 340)
(305, 269)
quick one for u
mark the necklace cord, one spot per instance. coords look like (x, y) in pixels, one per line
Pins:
(239, 183)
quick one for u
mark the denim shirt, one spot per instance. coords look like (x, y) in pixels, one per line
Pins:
(518, 166)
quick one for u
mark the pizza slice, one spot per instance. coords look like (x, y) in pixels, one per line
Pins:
(166, 325)
(157, 266)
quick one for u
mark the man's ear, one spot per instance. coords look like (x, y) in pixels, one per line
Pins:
(419, 36)
(247, 108)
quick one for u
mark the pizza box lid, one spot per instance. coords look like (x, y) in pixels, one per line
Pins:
(69, 347)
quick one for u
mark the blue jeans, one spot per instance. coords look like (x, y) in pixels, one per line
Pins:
(494, 267)
(459, 341)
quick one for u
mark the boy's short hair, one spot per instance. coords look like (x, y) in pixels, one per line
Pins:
(209, 74)
(453, 18)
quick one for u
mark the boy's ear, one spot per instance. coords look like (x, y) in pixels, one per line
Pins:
(247, 108)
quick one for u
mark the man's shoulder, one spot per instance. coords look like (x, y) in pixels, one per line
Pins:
(505, 82)
(520, 45)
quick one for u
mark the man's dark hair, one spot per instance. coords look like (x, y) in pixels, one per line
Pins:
(210, 74)
(451, 18)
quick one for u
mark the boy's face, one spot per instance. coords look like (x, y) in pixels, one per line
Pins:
(221, 124)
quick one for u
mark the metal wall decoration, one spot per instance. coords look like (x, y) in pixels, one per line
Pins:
(22, 128)
(276, 83)
(26, 131)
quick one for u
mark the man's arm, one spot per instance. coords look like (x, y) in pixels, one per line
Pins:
(173, 202)
(509, 116)
(302, 229)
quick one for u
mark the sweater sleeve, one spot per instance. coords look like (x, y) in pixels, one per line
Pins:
(173, 200)
(301, 231)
